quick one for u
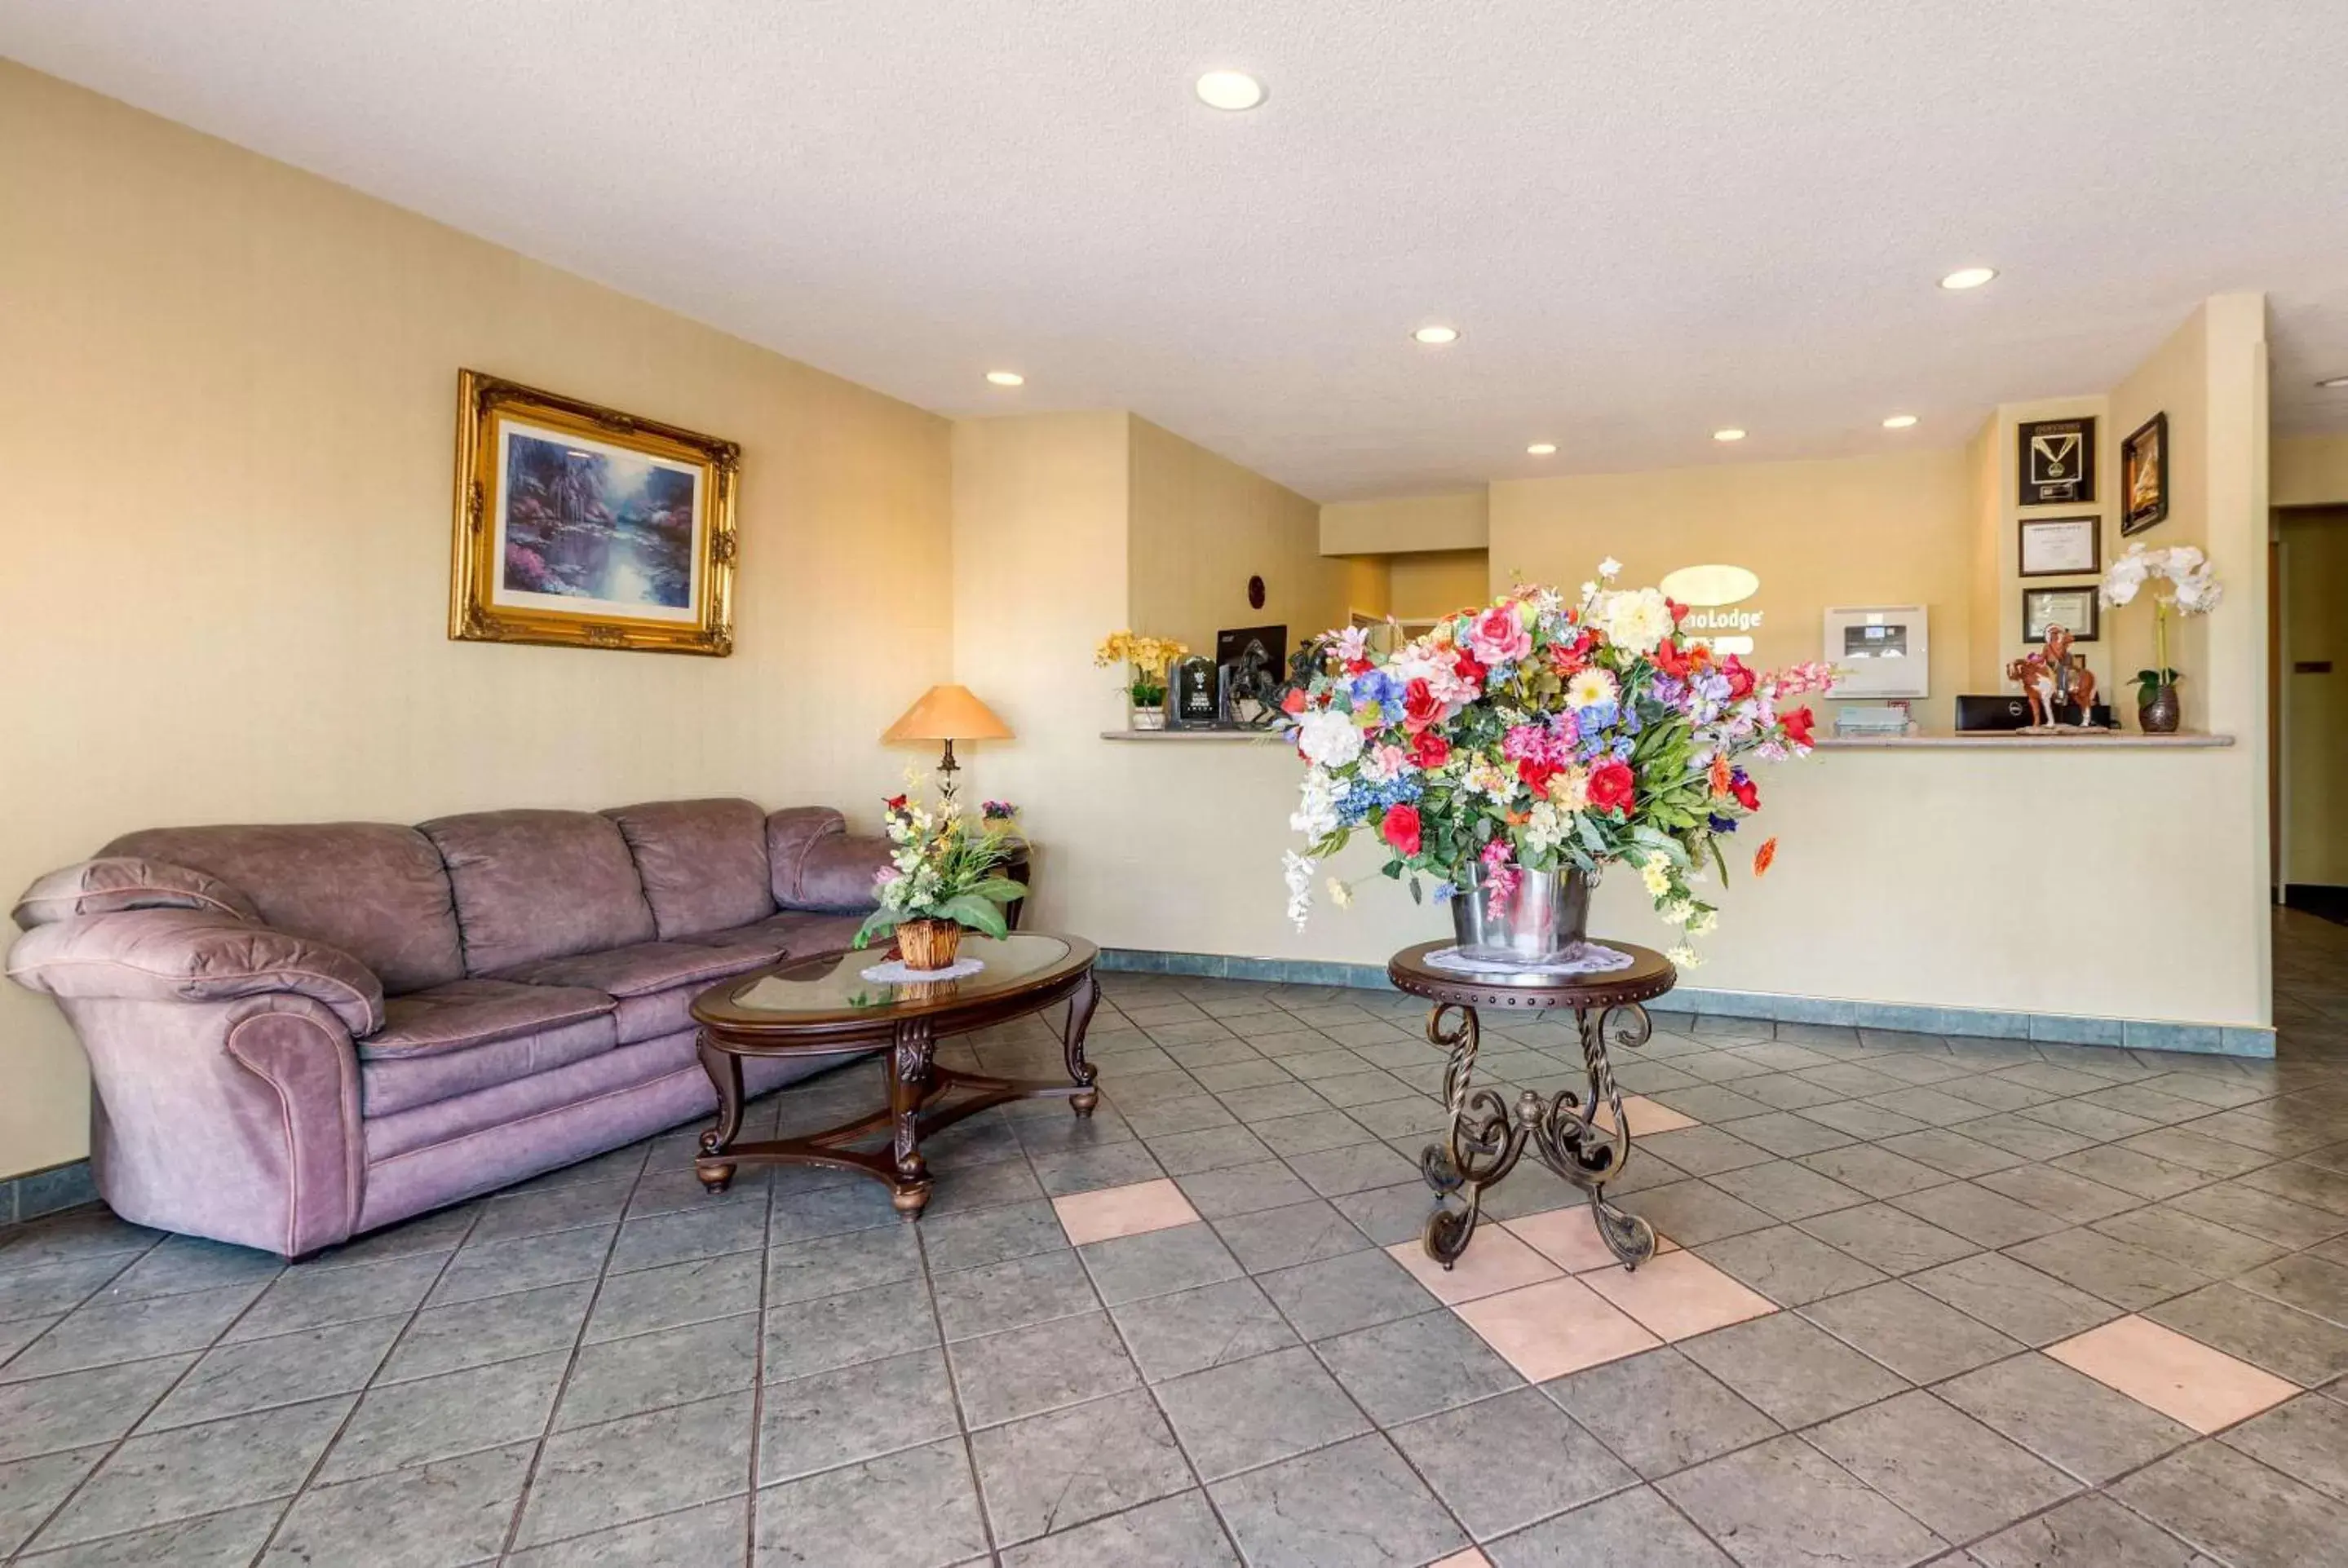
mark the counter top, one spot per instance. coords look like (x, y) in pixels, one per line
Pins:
(1977, 740)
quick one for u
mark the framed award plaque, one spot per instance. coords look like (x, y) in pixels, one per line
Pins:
(2056, 462)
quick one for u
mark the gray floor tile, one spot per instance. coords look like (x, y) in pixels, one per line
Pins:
(1352, 1168)
(951, 1241)
(1792, 1369)
(521, 1213)
(657, 1239)
(1057, 1470)
(1391, 1215)
(101, 1334)
(1296, 1233)
(1703, 1151)
(1888, 1239)
(312, 1296)
(1948, 1470)
(231, 1539)
(1922, 1339)
(31, 1489)
(1414, 1366)
(2307, 1282)
(1872, 1169)
(179, 1262)
(2283, 1340)
(913, 1509)
(1356, 1505)
(198, 1470)
(2140, 1173)
(2237, 1509)
(443, 1514)
(845, 1330)
(833, 1418)
(658, 1462)
(1172, 1532)
(1788, 1135)
(674, 1294)
(1505, 1462)
(252, 1375)
(1338, 1294)
(1634, 1526)
(1693, 1213)
(1660, 1411)
(1157, 1263)
(2073, 1199)
(1244, 1189)
(1028, 1370)
(1312, 1131)
(1088, 1170)
(445, 1339)
(1787, 1265)
(1208, 1148)
(2090, 1532)
(2065, 1417)
(2172, 1233)
(709, 1533)
(1950, 1153)
(2305, 1437)
(2129, 1276)
(1784, 1503)
(1036, 1288)
(1193, 1330)
(668, 1367)
(484, 1268)
(436, 1418)
(2013, 1298)
(1788, 1190)
(75, 1410)
(2262, 1215)
(73, 1237)
(1249, 1414)
(1982, 1217)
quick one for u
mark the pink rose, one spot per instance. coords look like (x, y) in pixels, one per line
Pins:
(1498, 637)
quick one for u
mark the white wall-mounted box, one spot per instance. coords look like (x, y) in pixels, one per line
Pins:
(1880, 651)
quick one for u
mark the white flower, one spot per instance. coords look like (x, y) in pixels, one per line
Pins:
(1702, 925)
(1657, 876)
(1340, 893)
(1298, 871)
(1328, 739)
(1685, 957)
(1591, 687)
(1352, 643)
(1610, 568)
(1638, 620)
(1316, 806)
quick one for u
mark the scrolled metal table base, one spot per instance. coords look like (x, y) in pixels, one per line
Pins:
(1565, 1131)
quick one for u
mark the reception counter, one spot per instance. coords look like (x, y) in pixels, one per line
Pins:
(2082, 888)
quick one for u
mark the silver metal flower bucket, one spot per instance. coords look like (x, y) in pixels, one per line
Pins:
(1545, 921)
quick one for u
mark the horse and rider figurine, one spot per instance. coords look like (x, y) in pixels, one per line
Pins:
(2051, 677)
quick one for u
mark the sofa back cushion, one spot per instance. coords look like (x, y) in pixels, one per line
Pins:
(533, 884)
(110, 885)
(703, 863)
(374, 890)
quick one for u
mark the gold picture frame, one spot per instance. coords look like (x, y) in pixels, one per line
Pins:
(582, 527)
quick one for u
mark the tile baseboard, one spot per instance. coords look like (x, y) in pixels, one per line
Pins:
(46, 1192)
(2053, 1028)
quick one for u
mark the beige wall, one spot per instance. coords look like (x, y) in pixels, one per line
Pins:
(1894, 529)
(2310, 471)
(1200, 526)
(1456, 522)
(227, 431)
(2001, 466)
(2315, 703)
(1431, 583)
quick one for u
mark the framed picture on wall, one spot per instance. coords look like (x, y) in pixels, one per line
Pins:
(2144, 476)
(2072, 609)
(2060, 547)
(581, 525)
(2056, 463)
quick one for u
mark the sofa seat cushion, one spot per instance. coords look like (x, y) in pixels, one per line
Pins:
(389, 1085)
(794, 932)
(703, 863)
(654, 983)
(466, 1013)
(532, 885)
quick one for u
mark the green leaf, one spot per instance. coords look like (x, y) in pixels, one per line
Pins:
(978, 914)
(1000, 890)
(880, 923)
(1416, 895)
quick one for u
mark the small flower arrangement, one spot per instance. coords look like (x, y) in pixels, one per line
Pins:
(1146, 660)
(2194, 589)
(997, 811)
(1545, 734)
(942, 872)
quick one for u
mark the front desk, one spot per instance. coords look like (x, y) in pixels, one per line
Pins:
(2088, 889)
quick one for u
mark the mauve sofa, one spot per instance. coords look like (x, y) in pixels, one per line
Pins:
(299, 1033)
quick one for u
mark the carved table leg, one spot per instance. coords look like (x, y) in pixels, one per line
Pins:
(1072, 1040)
(725, 1070)
(1481, 1147)
(1571, 1139)
(909, 1082)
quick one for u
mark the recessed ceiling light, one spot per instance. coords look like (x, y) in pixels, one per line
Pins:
(1232, 90)
(1968, 277)
(1436, 336)
(1006, 378)
(1542, 449)
(1731, 434)
(2334, 384)
(1899, 422)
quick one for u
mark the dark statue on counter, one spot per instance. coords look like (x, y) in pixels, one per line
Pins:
(2051, 677)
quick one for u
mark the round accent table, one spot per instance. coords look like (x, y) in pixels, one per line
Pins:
(824, 1006)
(1583, 1138)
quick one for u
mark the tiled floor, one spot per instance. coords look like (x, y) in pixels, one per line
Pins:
(1974, 1302)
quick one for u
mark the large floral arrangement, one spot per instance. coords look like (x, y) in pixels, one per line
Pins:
(1542, 733)
(941, 868)
(2193, 589)
(1145, 660)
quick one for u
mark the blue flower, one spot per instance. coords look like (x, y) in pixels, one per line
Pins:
(1445, 892)
(1598, 716)
(1377, 686)
(1719, 824)
(1622, 748)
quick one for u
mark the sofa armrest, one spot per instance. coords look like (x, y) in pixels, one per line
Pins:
(193, 956)
(818, 864)
(116, 883)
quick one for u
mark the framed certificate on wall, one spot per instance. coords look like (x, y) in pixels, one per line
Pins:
(2061, 547)
(2072, 609)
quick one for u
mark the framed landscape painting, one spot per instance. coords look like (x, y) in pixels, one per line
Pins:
(586, 527)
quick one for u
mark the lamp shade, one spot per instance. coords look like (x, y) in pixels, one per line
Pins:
(948, 714)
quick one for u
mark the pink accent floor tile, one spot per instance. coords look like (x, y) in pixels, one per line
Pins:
(2180, 1377)
(1557, 1327)
(1495, 1261)
(1471, 1558)
(1678, 1294)
(1569, 1238)
(1647, 1116)
(1123, 1211)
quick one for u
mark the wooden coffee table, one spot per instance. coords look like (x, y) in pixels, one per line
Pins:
(824, 1006)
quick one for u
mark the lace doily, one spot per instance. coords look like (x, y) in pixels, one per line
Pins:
(1589, 958)
(895, 973)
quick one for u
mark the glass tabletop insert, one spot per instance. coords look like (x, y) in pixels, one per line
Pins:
(836, 983)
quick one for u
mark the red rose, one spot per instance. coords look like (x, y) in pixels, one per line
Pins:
(1798, 725)
(1465, 665)
(1610, 785)
(1537, 774)
(1740, 679)
(1430, 750)
(1359, 667)
(1670, 661)
(1419, 705)
(1294, 701)
(1400, 829)
(1746, 794)
(1679, 612)
(894, 802)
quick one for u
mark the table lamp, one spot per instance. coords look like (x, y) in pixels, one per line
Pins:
(947, 713)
